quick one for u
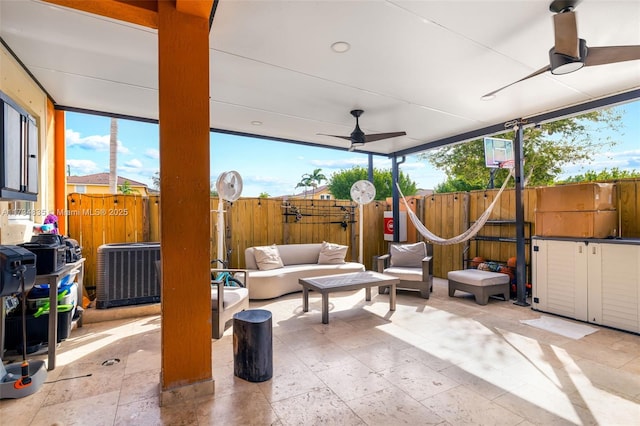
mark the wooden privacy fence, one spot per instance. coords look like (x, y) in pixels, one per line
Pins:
(94, 220)
(100, 219)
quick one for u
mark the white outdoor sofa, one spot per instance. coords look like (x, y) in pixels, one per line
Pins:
(298, 261)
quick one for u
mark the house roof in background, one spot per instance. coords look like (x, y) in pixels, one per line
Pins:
(311, 191)
(101, 179)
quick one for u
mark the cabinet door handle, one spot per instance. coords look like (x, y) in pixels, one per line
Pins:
(593, 250)
(579, 249)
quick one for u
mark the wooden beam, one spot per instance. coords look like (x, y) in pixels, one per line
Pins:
(140, 12)
(59, 168)
(199, 8)
(183, 64)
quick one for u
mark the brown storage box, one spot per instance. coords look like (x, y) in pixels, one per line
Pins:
(584, 224)
(584, 196)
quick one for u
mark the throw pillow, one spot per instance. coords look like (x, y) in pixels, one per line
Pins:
(408, 255)
(332, 253)
(267, 257)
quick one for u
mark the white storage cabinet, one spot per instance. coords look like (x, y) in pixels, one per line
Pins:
(596, 280)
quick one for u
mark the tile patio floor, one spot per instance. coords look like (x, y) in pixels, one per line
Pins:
(445, 361)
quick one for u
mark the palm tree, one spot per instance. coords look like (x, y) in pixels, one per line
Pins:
(156, 180)
(304, 182)
(315, 179)
(113, 152)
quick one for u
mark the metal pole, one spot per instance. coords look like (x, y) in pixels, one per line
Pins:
(395, 205)
(395, 200)
(521, 267)
(370, 169)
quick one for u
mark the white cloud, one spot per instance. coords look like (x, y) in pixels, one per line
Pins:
(92, 143)
(82, 167)
(265, 179)
(133, 164)
(623, 160)
(152, 153)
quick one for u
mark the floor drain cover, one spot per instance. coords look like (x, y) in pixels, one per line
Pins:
(112, 361)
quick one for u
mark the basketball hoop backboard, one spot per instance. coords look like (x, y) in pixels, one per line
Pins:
(497, 151)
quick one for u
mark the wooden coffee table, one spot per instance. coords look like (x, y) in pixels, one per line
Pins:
(345, 282)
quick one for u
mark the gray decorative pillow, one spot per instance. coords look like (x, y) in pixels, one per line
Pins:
(408, 255)
(332, 253)
(267, 257)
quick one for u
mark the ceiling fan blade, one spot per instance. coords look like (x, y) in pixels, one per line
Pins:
(540, 71)
(348, 138)
(379, 136)
(611, 54)
(566, 34)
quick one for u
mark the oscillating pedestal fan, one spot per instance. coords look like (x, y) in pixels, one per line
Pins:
(362, 192)
(229, 187)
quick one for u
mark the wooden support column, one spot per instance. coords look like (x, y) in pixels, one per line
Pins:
(183, 55)
(60, 170)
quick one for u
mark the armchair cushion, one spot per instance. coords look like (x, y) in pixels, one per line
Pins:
(231, 297)
(267, 257)
(408, 255)
(404, 273)
(332, 253)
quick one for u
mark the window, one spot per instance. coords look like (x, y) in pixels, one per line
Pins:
(18, 152)
(20, 210)
(81, 189)
(325, 196)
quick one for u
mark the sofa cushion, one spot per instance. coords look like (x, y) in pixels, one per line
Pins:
(332, 253)
(276, 282)
(267, 257)
(298, 254)
(408, 255)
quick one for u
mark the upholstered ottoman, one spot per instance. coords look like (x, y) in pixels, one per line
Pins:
(481, 284)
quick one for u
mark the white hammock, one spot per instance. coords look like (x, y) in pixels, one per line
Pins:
(466, 235)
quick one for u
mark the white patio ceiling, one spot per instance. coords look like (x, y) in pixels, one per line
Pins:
(414, 66)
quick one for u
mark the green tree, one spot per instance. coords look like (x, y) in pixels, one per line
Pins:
(264, 195)
(126, 188)
(605, 174)
(341, 182)
(456, 185)
(546, 150)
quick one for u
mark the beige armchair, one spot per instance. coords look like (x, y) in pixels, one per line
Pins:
(411, 263)
(225, 300)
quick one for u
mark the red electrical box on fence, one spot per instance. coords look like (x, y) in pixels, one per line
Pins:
(388, 226)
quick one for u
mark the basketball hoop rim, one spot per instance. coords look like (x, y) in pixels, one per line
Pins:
(507, 164)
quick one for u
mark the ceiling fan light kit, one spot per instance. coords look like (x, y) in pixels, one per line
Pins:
(563, 64)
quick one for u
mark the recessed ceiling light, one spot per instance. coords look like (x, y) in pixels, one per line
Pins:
(340, 46)
(256, 123)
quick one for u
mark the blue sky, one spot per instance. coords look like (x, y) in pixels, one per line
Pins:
(277, 167)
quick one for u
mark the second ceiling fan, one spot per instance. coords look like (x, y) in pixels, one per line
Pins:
(570, 53)
(358, 138)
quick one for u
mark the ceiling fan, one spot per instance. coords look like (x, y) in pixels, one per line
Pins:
(571, 53)
(358, 138)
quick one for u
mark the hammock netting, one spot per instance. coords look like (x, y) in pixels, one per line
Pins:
(466, 235)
